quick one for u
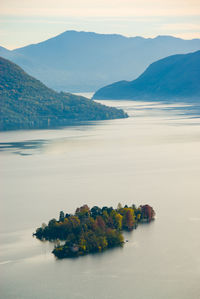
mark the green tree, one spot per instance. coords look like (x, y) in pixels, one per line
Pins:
(62, 216)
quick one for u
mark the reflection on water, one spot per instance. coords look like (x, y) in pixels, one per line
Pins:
(22, 148)
(151, 157)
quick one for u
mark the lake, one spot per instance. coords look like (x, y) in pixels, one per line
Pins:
(152, 157)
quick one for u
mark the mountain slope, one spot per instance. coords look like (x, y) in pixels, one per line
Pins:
(27, 103)
(4, 51)
(175, 77)
(86, 61)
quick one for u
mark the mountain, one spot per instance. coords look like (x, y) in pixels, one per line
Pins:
(85, 61)
(26, 103)
(175, 77)
(4, 51)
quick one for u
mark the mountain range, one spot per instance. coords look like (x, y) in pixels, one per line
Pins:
(176, 77)
(26, 103)
(85, 61)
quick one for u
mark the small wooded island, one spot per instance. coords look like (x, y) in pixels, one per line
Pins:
(92, 230)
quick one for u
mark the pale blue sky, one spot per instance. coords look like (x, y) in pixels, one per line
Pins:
(30, 21)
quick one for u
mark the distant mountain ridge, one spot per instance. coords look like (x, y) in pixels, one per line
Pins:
(4, 51)
(175, 77)
(85, 61)
(26, 103)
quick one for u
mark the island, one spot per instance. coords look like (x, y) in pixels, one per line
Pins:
(92, 230)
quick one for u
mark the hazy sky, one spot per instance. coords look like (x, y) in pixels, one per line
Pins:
(29, 21)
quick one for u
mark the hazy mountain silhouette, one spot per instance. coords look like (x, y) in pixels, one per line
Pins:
(4, 52)
(27, 103)
(86, 61)
(174, 77)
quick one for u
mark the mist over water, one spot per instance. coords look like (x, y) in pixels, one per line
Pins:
(151, 157)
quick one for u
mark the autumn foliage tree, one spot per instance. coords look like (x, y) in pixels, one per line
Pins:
(147, 213)
(92, 230)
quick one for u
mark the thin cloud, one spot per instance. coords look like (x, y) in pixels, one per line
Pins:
(91, 8)
(182, 27)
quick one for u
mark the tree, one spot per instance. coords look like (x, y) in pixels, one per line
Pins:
(83, 211)
(147, 212)
(118, 221)
(52, 222)
(95, 211)
(129, 219)
(62, 216)
(100, 223)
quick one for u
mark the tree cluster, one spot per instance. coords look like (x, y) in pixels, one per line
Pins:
(92, 230)
(26, 103)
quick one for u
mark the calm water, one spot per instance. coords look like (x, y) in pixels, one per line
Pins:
(151, 158)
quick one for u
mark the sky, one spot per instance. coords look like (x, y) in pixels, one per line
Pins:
(24, 22)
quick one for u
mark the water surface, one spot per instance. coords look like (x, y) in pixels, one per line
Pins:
(151, 157)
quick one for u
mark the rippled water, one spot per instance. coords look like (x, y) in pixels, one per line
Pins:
(152, 157)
